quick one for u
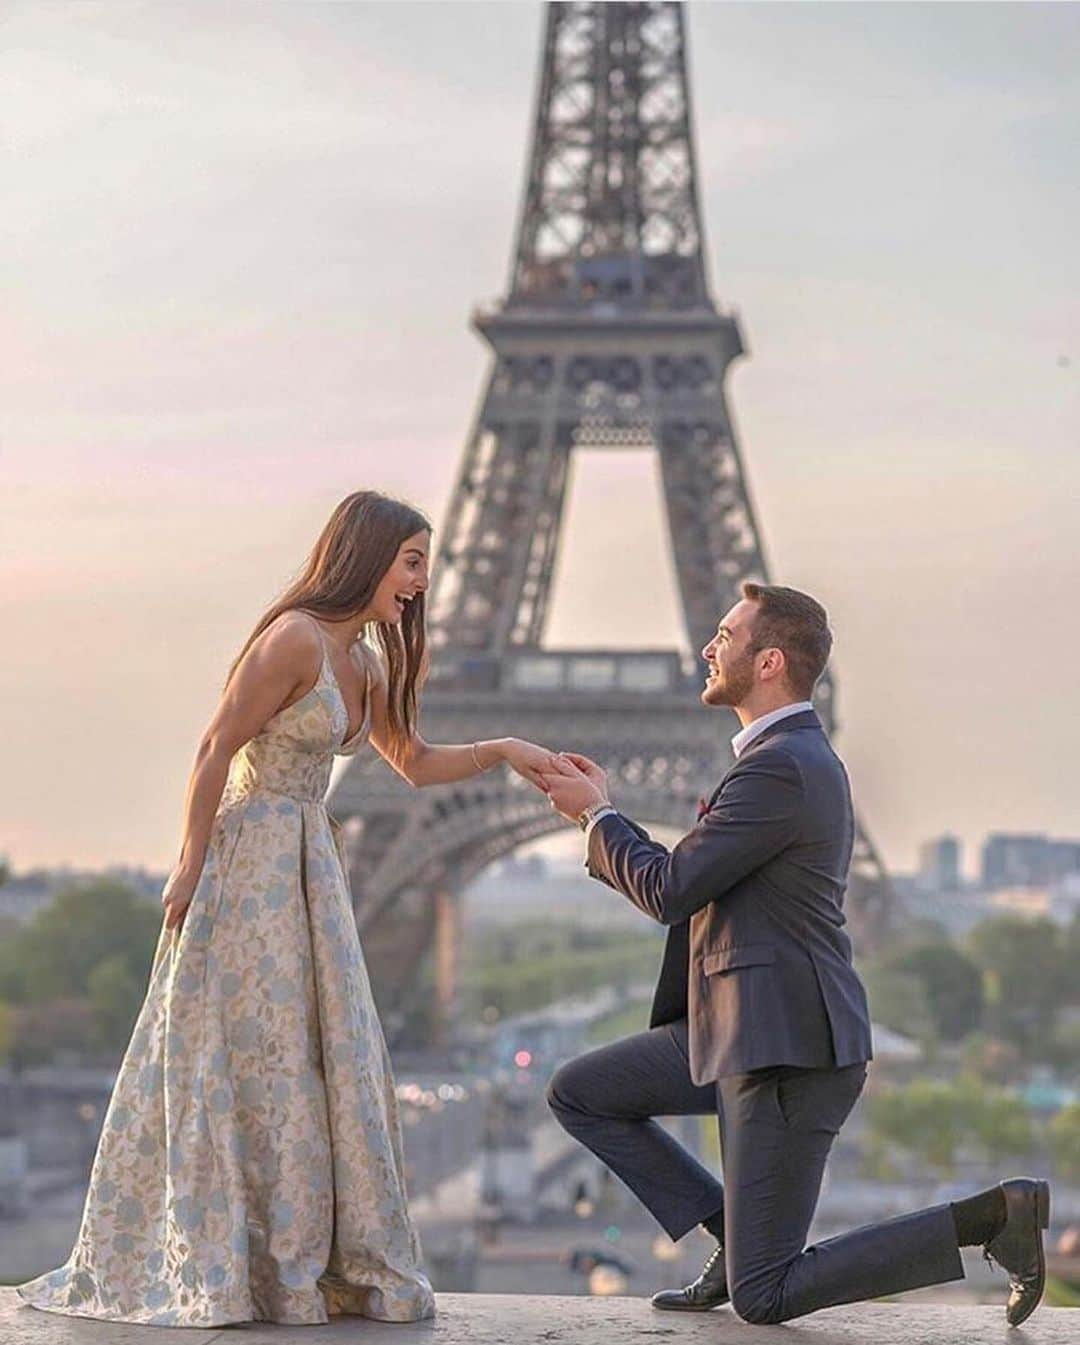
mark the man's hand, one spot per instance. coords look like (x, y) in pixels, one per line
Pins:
(572, 789)
(588, 768)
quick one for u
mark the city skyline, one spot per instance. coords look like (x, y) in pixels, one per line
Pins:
(238, 247)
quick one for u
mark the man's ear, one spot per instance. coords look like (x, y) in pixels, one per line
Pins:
(775, 666)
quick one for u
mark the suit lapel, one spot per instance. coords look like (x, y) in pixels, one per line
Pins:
(805, 719)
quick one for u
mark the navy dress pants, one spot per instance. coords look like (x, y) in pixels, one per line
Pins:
(777, 1126)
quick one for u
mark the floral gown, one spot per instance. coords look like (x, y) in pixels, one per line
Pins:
(250, 1163)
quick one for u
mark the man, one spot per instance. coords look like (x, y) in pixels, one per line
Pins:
(759, 1013)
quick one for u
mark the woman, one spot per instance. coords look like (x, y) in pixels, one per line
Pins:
(249, 1165)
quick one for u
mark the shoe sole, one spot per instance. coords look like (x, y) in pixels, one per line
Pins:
(1042, 1220)
(688, 1307)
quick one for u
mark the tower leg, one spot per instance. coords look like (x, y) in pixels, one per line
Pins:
(447, 911)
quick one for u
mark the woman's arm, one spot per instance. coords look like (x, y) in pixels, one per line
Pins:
(442, 763)
(283, 660)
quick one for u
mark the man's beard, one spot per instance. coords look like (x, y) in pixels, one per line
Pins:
(735, 684)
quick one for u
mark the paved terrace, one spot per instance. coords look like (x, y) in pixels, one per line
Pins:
(504, 1319)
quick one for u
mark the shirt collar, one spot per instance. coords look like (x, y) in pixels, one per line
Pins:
(746, 736)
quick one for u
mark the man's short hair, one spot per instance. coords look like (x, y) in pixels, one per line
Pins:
(794, 623)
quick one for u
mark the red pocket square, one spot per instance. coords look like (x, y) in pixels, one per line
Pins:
(702, 807)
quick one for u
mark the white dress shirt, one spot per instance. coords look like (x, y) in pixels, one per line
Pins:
(746, 736)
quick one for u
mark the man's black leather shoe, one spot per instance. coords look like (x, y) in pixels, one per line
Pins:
(1018, 1248)
(709, 1290)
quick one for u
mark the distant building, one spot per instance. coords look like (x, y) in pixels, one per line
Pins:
(1031, 902)
(1065, 860)
(1065, 899)
(23, 895)
(1010, 861)
(939, 864)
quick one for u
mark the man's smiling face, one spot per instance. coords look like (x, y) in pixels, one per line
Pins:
(730, 674)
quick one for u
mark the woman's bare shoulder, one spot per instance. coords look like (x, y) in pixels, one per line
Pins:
(292, 640)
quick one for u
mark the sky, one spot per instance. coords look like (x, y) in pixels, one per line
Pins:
(239, 249)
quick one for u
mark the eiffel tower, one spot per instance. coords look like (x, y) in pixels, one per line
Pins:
(608, 338)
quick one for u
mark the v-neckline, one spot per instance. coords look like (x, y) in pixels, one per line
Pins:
(349, 737)
(366, 716)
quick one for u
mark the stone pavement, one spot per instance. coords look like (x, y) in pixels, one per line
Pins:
(503, 1319)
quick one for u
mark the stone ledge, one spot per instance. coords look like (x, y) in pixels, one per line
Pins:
(505, 1319)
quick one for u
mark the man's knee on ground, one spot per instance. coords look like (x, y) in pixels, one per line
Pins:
(759, 1305)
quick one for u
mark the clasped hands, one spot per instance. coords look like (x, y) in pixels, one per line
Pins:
(574, 783)
(571, 781)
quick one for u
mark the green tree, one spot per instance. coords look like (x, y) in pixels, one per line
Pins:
(1071, 956)
(41, 1030)
(54, 954)
(7, 1029)
(922, 1118)
(1064, 1049)
(1026, 977)
(898, 1000)
(991, 1060)
(999, 1121)
(115, 996)
(951, 981)
(11, 979)
(1065, 1140)
(935, 1120)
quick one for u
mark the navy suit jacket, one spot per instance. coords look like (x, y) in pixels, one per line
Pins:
(757, 957)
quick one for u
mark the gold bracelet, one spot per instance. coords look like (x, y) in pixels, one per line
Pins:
(476, 760)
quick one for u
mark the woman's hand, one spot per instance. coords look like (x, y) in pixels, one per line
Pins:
(529, 760)
(176, 895)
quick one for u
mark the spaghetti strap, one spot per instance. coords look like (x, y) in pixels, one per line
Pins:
(321, 633)
(327, 670)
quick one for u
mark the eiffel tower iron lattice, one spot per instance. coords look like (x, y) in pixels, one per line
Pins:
(608, 337)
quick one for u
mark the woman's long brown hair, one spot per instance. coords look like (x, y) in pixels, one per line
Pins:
(355, 549)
